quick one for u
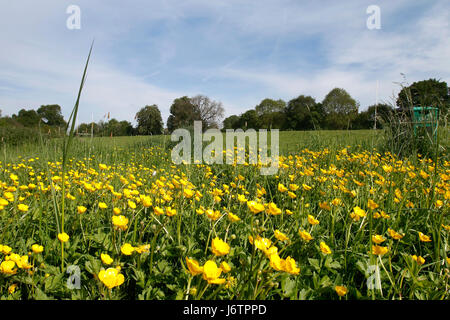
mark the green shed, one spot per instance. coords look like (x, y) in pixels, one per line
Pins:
(426, 118)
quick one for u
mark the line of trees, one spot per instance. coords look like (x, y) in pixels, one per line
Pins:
(337, 111)
(183, 112)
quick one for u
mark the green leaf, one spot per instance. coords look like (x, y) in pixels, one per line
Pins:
(314, 263)
(332, 264)
(53, 283)
(40, 295)
(288, 286)
(362, 266)
(325, 282)
(139, 276)
(180, 295)
(303, 294)
(93, 266)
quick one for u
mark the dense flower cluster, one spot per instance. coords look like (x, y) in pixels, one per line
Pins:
(315, 225)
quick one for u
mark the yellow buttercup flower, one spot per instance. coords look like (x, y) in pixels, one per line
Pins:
(213, 214)
(282, 188)
(312, 220)
(146, 201)
(324, 205)
(379, 251)
(22, 207)
(242, 198)
(158, 211)
(290, 266)
(325, 248)
(5, 249)
(127, 249)
(63, 237)
(232, 217)
(420, 260)
(106, 259)
(225, 267)
(219, 247)
(273, 209)
(305, 235)
(336, 202)
(424, 238)
(280, 235)
(111, 277)
(131, 204)
(120, 222)
(262, 243)
(341, 290)
(102, 205)
(188, 193)
(394, 235)
(255, 207)
(117, 211)
(371, 204)
(194, 267)
(12, 288)
(7, 267)
(357, 213)
(81, 209)
(211, 273)
(292, 195)
(37, 248)
(142, 248)
(276, 262)
(378, 239)
(171, 212)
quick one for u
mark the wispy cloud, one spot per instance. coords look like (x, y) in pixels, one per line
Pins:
(238, 52)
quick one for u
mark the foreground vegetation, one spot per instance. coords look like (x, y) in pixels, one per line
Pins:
(335, 217)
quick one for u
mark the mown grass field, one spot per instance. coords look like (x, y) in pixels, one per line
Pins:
(340, 220)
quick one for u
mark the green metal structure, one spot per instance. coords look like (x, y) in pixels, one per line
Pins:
(426, 118)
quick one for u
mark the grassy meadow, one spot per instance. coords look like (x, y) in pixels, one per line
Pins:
(342, 219)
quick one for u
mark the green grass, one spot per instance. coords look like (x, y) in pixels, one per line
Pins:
(142, 163)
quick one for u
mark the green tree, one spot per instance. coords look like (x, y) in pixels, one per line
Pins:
(271, 113)
(231, 122)
(27, 118)
(366, 119)
(182, 114)
(149, 120)
(249, 120)
(425, 93)
(209, 111)
(303, 113)
(51, 115)
(340, 109)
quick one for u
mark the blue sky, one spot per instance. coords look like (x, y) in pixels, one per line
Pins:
(236, 52)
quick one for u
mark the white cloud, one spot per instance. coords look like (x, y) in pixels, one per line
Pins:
(147, 43)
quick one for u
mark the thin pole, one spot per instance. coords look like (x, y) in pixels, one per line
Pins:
(376, 105)
(92, 126)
